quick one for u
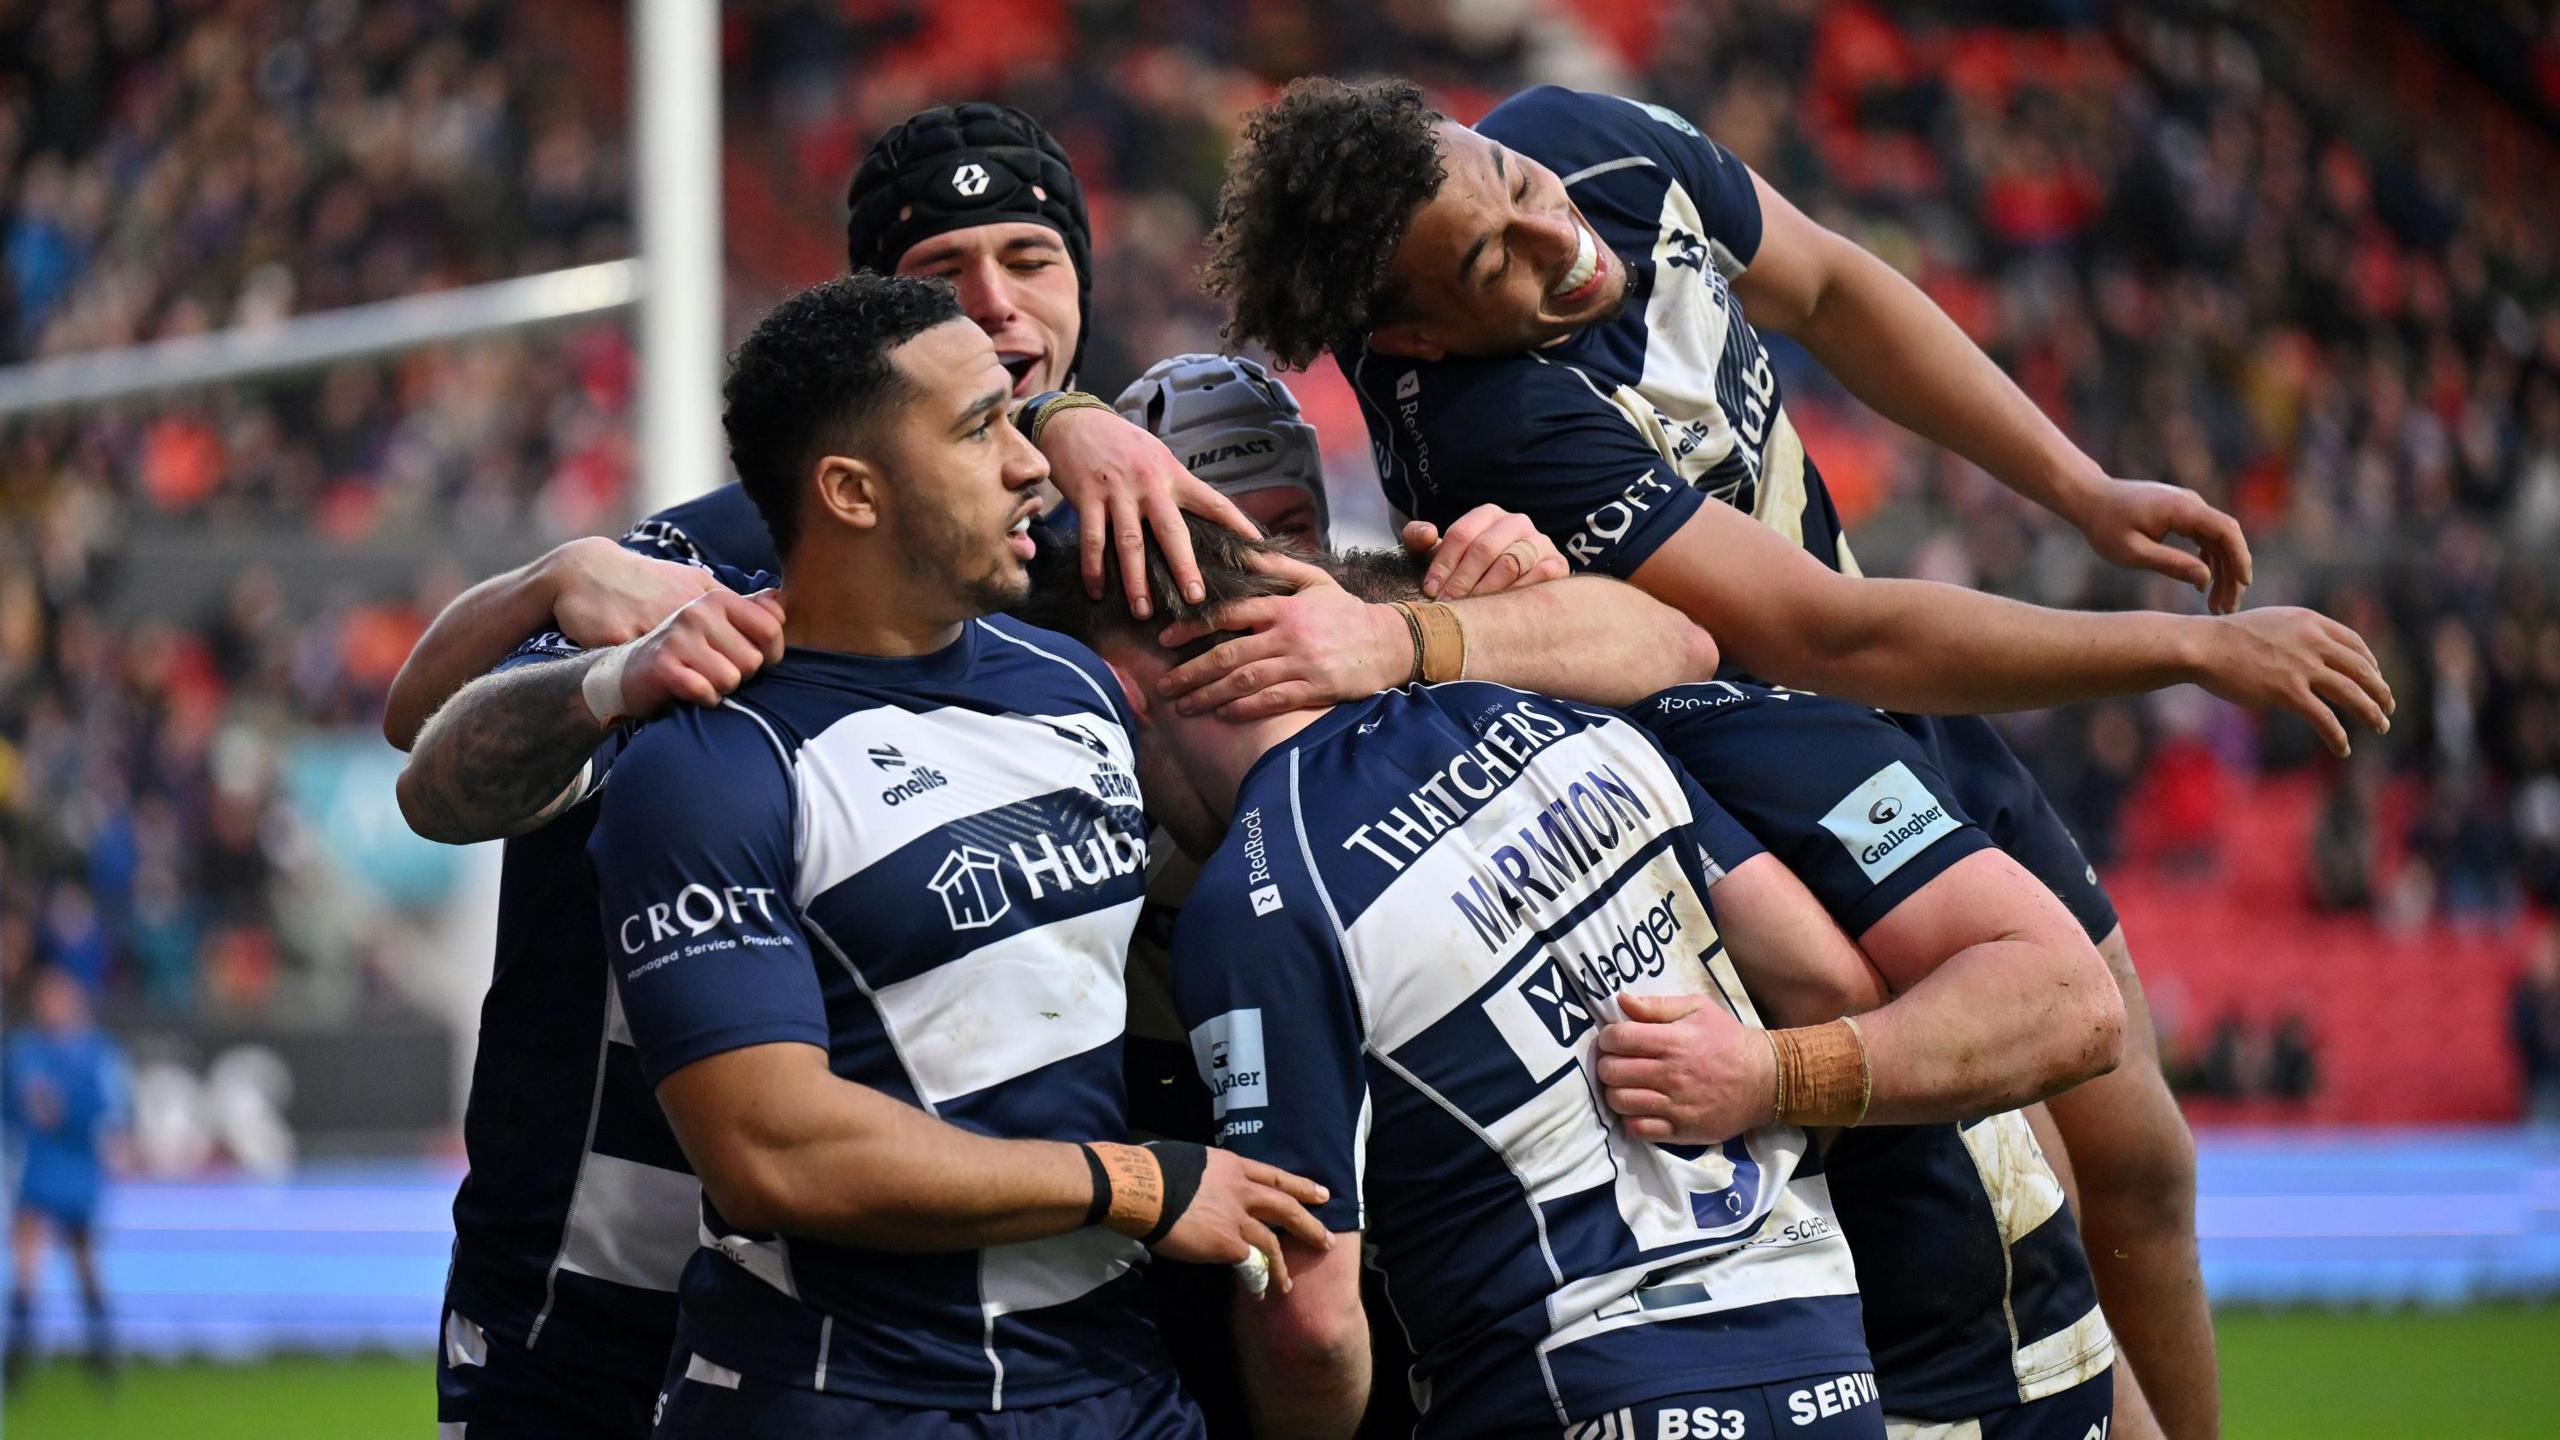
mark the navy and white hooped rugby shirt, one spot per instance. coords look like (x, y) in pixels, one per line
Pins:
(1394, 970)
(1977, 1291)
(1612, 438)
(930, 867)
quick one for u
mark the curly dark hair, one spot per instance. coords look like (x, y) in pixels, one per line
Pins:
(811, 373)
(1315, 203)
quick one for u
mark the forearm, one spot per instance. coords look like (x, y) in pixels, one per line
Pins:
(1583, 638)
(1921, 647)
(500, 752)
(854, 1166)
(1885, 340)
(482, 626)
(1996, 1027)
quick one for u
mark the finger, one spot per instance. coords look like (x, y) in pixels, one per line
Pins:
(1246, 681)
(2306, 703)
(770, 601)
(1454, 546)
(1283, 1210)
(2171, 561)
(1471, 567)
(1299, 1187)
(1174, 538)
(2369, 679)
(1628, 1100)
(717, 668)
(1300, 574)
(1661, 1009)
(1258, 613)
(1420, 536)
(2346, 635)
(688, 686)
(2226, 550)
(1272, 700)
(1550, 567)
(1640, 1038)
(732, 645)
(1259, 1236)
(1089, 543)
(1220, 662)
(2346, 696)
(1207, 501)
(1129, 535)
(1635, 1070)
(1649, 1127)
(761, 627)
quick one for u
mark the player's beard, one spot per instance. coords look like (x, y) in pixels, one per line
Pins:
(979, 572)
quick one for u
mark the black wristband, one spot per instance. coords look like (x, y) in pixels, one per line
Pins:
(1100, 1209)
(1183, 1164)
(1027, 414)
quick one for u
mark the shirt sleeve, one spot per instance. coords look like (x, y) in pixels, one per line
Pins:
(1540, 439)
(1275, 1030)
(1848, 800)
(693, 855)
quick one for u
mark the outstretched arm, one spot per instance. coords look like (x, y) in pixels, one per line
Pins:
(1922, 647)
(593, 590)
(1884, 339)
(1583, 638)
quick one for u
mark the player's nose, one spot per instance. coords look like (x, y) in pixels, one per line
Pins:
(986, 296)
(1024, 465)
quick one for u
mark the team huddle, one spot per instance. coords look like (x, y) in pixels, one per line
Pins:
(1006, 933)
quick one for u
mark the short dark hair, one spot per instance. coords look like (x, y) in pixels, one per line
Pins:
(1058, 600)
(812, 372)
(1316, 201)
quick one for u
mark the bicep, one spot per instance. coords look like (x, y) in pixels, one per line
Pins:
(1798, 966)
(1982, 899)
(1796, 262)
(729, 1107)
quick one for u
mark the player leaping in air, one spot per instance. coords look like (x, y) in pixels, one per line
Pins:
(1554, 311)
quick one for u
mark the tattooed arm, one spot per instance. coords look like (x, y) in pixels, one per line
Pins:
(511, 750)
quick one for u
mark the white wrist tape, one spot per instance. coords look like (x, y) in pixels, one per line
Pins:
(602, 686)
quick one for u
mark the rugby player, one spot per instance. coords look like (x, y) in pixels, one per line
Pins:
(869, 915)
(1980, 1308)
(1554, 311)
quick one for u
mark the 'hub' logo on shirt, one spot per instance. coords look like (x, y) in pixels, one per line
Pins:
(970, 883)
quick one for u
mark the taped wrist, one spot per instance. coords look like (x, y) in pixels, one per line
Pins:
(1142, 1190)
(1824, 1078)
(1439, 640)
(601, 686)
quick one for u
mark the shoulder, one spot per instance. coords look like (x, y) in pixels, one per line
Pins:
(695, 762)
(720, 528)
(1058, 669)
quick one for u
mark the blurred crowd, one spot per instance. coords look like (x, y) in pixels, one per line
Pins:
(2212, 258)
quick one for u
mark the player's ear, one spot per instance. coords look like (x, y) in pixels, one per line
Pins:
(1406, 340)
(1140, 702)
(849, 490)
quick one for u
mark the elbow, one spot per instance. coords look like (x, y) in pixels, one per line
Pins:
(752, 1194)
(427, 820)
(2088, 1027)
(1696, 651)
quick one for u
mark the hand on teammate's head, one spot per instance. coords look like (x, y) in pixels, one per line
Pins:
(1489, 550)
(1126, 486)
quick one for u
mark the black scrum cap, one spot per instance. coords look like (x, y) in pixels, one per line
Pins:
(955, 166)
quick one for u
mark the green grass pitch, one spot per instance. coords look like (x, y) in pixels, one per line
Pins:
(2483, 1374)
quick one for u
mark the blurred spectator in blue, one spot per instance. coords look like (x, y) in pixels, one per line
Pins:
(63, 1096)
